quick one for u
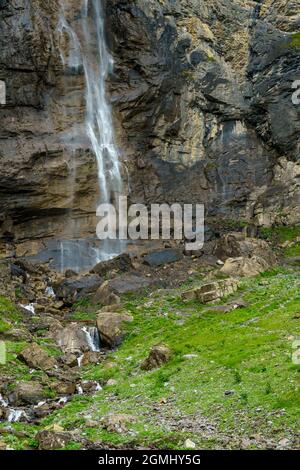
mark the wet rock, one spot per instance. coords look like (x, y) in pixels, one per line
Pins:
(211, 291)
(110, 327)
(28, 393)
(90, 386)
(117, 422)
(121, 263)
(129, 283)
(160, 258)
(73, 339)
(50, 440)
(72, 290)
(159, 355)
(17, 271)
(34, 356)
(245, 267)
(70, 273)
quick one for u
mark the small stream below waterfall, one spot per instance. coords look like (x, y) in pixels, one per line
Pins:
(87, 54)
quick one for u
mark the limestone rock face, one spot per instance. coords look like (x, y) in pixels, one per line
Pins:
(211, 291)
(203, 112)
(43, 178)
(203, 94)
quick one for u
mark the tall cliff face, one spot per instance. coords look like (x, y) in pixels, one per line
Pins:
(204, 94)
(202, 97)
(48, 178)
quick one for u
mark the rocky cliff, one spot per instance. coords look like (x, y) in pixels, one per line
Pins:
(202, 99)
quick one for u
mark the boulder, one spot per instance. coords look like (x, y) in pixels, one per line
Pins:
(72, 290)
(50, 440)
(28, 393)
(34, 356)
(105, 296)
(159, 258)
(160, 354)
(70, 360)
(116, 422)
(120, 263)
(90, 386)
(211, 291)
(64, 388)
(245, 267)
(17, 334)
(91, 357)
(129, 283)
(73, 339)
(110, 327)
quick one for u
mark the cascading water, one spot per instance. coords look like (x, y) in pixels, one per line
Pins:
(88, 54)
(92, 337)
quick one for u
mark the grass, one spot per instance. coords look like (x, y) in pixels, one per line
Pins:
(294, 41)
(247, 351)
(9, 315)
(284, 234)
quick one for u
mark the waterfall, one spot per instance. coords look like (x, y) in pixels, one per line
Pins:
(92, 337)
(88, 55)
(15, 415)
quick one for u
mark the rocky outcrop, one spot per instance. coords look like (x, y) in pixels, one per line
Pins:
(234, 245)
(211, 291)
(245, 267)
(72, 290)
(34, 356)
(199, 88)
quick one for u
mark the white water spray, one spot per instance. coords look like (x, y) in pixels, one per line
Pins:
(88, 54)
(92, 337)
